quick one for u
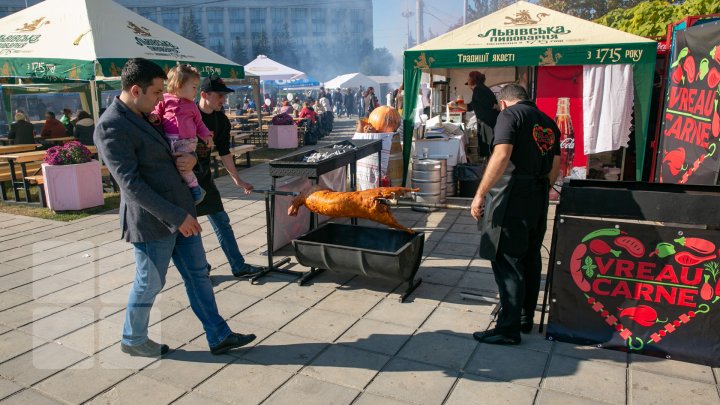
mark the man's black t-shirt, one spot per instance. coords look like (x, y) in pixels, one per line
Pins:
(220, 125)
(535, 138)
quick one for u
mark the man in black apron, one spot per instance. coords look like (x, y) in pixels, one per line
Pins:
(511, 206)
(213, 92)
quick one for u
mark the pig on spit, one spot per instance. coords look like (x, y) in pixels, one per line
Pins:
(352, 204)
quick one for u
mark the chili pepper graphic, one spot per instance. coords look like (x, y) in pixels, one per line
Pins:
(600, 247)
(632, 245)
(689, 67)
(641, 314)
(706, 291)
(575, 266)
(677, 75)
(701, 246)
(713, 78)
(602, 232)
(663, 250)
(675, 160)
(689, 259)
(715, 53)
(717, 288)
(716, 124)
(683, 53)
(703, 68)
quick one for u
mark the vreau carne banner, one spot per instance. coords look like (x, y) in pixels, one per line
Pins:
(691, 120)
(638, 288)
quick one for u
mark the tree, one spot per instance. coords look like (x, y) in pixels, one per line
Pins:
(481, 8)
(260, 45)
(284, 48)
(190, 29)
(238, 54)
(588, 9)
(651, 18)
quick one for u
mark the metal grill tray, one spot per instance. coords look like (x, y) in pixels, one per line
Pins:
(293, 165)
(369, 251)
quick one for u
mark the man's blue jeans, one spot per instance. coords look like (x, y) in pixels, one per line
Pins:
(220, 222)
(152, 260)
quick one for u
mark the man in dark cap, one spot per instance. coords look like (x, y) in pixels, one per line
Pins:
(213, 92)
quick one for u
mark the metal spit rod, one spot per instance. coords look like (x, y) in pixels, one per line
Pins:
(410, 203)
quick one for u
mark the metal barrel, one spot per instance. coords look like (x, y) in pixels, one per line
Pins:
(427, 175)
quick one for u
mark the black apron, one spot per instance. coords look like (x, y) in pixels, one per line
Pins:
(496, 204)
(212, 203)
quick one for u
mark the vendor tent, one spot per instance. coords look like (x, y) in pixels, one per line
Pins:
(351, 80)
(268, 69)
(88, 40)
(524, 34)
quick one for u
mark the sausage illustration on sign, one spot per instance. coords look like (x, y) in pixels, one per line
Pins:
(576, 266)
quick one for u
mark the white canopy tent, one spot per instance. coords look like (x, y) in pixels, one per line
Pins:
(268, 69)
(88, 40)
(351, 80)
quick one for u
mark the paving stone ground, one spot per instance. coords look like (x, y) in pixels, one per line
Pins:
(341, 340)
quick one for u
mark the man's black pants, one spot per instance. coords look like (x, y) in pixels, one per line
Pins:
(518, 264)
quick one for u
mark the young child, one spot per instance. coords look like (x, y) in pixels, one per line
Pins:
(181, 119)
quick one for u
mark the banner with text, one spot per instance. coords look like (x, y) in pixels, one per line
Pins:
(639, 288)
(691, 122)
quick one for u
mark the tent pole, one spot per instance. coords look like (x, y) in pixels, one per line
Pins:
(94, 100)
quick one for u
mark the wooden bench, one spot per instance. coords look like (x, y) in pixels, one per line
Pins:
(235, 151)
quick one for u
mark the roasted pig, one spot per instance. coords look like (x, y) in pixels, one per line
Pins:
(352, 204)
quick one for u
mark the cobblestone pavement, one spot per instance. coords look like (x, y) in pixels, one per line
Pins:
(341, 340)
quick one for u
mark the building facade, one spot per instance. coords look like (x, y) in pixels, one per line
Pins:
(225, 24)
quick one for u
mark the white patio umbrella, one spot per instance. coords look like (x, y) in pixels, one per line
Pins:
(269, 69)
(89, 39)
(351, 80)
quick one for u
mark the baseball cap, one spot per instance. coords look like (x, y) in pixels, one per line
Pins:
(214, 83)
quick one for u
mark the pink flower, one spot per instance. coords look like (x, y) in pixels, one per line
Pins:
(69, 154)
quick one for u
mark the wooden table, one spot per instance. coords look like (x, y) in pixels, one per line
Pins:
(57, 141)
(18, 148)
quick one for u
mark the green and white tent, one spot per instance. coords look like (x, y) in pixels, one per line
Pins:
(87, 39)
(90, 40)
(525, 34)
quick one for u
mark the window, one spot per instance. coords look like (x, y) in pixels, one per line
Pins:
(237, 22)
(279, 19)
(338, 21)
(298, 17)
(148, 12)
(357, 22)
(257, 21)
(318, 21)
(215, 23)
(171, 19)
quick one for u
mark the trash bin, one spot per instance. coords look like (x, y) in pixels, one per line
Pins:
(468, 177)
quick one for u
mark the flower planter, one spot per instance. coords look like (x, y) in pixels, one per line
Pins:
(282, 137)
(73, 187)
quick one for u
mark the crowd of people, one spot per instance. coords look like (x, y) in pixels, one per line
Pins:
(21, 131)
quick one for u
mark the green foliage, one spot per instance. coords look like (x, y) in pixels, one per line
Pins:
(587, 9)
(261, 45)
(651, 18)
(190, 29)
(238, 52)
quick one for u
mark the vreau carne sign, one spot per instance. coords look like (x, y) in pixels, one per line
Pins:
(639, 288)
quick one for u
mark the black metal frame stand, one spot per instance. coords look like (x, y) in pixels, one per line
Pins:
(269, 217)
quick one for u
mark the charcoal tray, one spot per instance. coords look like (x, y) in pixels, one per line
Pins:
(369, 251)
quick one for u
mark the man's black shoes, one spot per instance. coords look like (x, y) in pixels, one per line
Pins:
(248, 270)
(233, 341)
(526, 328)
(493, 337)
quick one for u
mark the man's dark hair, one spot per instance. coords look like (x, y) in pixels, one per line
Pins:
(513, 92)
(140, 72)
(50, 114)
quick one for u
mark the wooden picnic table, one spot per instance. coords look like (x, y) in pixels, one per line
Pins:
(18, 148)
(57, 141)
